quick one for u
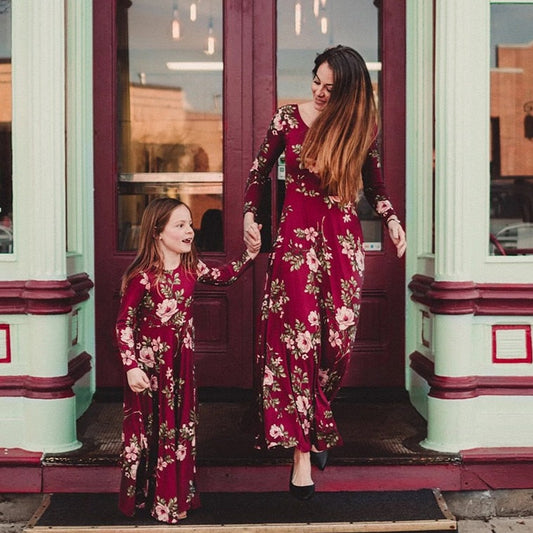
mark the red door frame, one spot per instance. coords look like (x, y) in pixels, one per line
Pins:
(250, 70)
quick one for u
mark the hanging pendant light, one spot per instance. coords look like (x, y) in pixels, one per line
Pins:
(193, 12)
(316, 8)
(176, 29)
(210, 39)
(297, 18)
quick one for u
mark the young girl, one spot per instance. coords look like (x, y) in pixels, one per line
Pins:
(155, 337)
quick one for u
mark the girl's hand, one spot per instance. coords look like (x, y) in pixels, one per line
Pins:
(397, 235)
(252, 235)
(137, 379)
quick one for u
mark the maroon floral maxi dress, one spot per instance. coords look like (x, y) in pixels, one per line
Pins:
(155, 333)
(310, 309)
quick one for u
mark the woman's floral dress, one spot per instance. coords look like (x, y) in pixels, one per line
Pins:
(310, 309)
(155, 333)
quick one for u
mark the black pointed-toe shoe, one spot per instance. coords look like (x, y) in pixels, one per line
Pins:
(305, 492)
(319, 459)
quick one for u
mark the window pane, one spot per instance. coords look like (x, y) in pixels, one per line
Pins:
(170, 112)
(305, 28)
(6, 185)
(511, 121)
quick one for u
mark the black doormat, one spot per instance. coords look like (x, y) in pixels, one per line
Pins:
(422, 510)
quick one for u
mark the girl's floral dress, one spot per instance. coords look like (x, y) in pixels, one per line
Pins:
(310, 309)
(155, 333)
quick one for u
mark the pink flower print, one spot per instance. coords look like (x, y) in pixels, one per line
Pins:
(127, 358)
(133, 471)
(268, 377)
(166, 309)
(276, 431)
(202, 269)
(360, 259)
(145, 281)
(126, 336)
(383, 206)
(306, 426)
(215, 273)
(345, 317)
(187, 341)
(146, 356)
(323, 377)
(255, 165)
(161, 463)
(334, 338)
(302, 404)
(131, 453)
(304, 341)
(162, 511)
(181, 452)
(347, 249)
(314, 319)
(347, 217)
(289, 343)
(143, 440)
(156, 344)
(154, 385)
(310, 234)
(277, 123)
(312, 260)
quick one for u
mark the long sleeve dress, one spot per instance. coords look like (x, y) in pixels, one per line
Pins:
(155, 332)
(310, 309)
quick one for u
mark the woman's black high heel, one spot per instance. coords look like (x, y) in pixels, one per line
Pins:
(305, 492)
(319, 459)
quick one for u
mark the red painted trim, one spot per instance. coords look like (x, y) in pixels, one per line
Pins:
(465, 387)
(46, 388)
(528, 357)
(7, 357)
(466, 297)
(48, 297)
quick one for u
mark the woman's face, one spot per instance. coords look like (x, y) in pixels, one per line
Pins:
(322, 86)
(178, 234)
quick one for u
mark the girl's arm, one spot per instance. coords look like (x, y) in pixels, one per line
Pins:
(126, 325)
(225, 274)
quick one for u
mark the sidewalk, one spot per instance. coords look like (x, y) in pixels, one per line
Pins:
(501, 511)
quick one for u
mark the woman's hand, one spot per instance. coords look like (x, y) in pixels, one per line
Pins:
(137, 379)
(397, 235)
(252, 235)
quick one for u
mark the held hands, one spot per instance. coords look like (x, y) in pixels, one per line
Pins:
(397, 235)
(137, 379)
(252, 235)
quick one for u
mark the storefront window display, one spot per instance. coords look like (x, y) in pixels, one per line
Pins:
(511, 129)
(6, 185)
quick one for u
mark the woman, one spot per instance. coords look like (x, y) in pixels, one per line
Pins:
(312, 296)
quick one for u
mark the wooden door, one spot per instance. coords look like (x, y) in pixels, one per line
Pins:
(225, 317)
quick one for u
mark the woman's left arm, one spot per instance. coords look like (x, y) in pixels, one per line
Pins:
(377, 196)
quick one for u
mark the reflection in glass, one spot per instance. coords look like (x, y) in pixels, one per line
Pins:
(304, 31)
(170, 114)
(6, 185)
(511, 128)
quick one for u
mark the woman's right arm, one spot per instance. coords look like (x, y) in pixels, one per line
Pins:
(259, 177)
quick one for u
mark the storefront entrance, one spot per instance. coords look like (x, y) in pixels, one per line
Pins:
(183, 97)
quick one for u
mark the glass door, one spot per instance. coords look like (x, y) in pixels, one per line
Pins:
(170, 112)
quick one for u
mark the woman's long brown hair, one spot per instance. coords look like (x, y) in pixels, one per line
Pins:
(148, 259)
(337, 142)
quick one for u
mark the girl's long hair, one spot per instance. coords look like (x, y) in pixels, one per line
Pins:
(148, 259)
(337, 142)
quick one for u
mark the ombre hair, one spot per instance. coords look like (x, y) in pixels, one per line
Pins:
(337, 143)
(155, 217)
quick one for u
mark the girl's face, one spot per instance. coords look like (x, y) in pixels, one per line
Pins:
(322, 86)
(178, 234)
